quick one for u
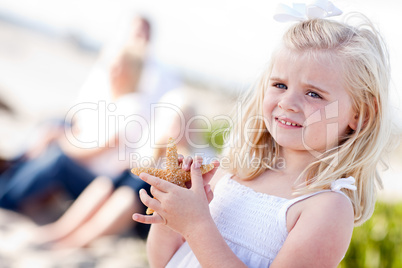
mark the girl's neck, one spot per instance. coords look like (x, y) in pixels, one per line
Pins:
(294, 162)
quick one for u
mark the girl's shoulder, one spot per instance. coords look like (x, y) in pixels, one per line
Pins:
(327, 215)
(328, 204)
(323, 208)
(322, 229)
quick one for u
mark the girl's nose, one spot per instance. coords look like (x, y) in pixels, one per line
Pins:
(289, 102)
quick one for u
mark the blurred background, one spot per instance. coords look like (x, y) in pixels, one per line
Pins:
(48, 49)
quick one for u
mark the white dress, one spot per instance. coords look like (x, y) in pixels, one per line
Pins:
(253, 224)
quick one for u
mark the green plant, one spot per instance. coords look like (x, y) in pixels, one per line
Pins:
(378, 242)
(216, 137)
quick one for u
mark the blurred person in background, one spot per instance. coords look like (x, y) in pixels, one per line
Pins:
(106, 192)
(52, 161)
(156, 80)
(63, 164)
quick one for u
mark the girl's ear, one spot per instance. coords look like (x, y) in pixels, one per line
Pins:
(366, 109)
(354, 121)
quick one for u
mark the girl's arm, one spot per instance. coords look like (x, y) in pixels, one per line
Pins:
(162, 243)
(321, 235)
(210, 248)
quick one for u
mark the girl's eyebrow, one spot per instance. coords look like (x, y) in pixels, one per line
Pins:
(276, 78)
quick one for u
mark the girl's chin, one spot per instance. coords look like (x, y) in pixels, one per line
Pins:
(296, 146)
(291, 145)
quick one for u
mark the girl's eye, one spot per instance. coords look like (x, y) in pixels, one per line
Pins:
(314, 95)
(283, 86)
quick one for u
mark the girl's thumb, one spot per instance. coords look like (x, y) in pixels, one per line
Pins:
(196, 175)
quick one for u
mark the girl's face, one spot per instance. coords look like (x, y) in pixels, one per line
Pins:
(306, 106)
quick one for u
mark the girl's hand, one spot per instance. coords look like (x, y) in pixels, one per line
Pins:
(179, 208)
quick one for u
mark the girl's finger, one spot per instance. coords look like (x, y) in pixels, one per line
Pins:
(158, 183)
(156, 193)
(148, 201)
(180, 158)
(196, 175)
(187, 163)
(148, 219)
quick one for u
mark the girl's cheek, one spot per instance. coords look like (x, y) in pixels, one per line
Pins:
(314, 114)
(266, 114)
(268, 103)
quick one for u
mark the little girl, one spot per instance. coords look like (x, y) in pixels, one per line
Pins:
(303, 159)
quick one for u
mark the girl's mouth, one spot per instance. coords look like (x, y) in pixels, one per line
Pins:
(287, 122)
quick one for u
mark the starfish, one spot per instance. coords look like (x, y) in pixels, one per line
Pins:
(173, 172)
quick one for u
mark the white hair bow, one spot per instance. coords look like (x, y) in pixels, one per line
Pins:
(348, 183)
(317, 9)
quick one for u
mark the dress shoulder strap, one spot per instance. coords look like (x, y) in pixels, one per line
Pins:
(336, 186)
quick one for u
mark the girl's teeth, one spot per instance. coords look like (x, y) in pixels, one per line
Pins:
(287, 123)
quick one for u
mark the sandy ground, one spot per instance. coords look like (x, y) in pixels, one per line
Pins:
(113, 251)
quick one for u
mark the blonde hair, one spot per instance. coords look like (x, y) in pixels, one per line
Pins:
(366, 70)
